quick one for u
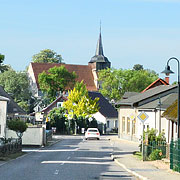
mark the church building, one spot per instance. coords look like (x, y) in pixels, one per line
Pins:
(87, 73)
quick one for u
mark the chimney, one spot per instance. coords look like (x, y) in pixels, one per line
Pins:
(167, 79)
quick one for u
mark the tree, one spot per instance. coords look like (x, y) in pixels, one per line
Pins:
(79, 104)
(18, 126)
(47, 56)
(17, 85)
(56, 80)
(3, 67)
(114, 83)
(138, 67)
(58, 119)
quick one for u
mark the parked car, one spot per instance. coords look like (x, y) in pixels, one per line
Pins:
(92, 133)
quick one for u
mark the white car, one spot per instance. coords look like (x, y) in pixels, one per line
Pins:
(92, 133)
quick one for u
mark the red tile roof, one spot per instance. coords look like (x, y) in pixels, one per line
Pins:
(84, 72)
(158, 82)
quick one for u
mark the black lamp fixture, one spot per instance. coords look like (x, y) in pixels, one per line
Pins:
(168, 71)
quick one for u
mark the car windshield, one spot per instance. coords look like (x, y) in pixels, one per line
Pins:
(92, 130)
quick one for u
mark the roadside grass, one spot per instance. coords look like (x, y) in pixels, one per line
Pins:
(11, 156)
(138, 155)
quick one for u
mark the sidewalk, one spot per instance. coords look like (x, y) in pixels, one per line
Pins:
(155, 170)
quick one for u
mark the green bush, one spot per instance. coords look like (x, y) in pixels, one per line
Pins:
(156, 155)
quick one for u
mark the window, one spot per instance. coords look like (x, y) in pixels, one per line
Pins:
(116, 123)
(123, 124)
(134, 126)
(128, 125)
(107, 124)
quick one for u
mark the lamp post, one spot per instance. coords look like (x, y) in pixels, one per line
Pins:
(168, 71)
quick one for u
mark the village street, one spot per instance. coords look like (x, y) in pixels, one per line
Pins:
(71, 158)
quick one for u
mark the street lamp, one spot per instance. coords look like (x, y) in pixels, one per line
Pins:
(168, 71)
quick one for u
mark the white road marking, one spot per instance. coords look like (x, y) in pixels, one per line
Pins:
(69, 157)
(56, 172)
(95, 158)
(74, 162)
(49, 150)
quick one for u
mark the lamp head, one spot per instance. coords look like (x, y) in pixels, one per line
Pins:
(167, 71)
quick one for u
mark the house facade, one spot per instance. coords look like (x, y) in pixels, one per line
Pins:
(3, 115)
(153, 103)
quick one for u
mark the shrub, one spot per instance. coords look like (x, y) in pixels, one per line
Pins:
(156, 155)
(18, 126)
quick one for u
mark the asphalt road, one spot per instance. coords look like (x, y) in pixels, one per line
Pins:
(73, 158)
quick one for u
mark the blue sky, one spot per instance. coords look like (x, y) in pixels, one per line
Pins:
(143, 32)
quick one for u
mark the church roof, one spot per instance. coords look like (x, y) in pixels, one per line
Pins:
(84, 72)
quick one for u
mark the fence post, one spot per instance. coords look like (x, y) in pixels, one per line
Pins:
(178, 154)
(171, 154)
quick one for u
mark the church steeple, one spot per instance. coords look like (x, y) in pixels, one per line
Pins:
(99, 48)
(99, 61)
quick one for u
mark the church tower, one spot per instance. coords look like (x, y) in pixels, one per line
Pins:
(99, 61)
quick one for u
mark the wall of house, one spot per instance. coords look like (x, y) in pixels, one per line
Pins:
(32, 81)
(112, 124)
(128, 129)
(32, 136)
(154, 121)
(3, 114)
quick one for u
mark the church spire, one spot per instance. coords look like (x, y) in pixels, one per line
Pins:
(99, 48)
(99, 61)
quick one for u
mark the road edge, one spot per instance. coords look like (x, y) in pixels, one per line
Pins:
(128, 170)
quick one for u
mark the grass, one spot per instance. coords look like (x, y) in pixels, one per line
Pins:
(11, 156)
(138, 155)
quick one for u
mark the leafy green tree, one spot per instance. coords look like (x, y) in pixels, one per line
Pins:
(114, 83)
(3, 67)
(58, 119)
(47, 56)
(17, 85)
(138, 67)
(79, 104)
(18, 126)
(56, 80)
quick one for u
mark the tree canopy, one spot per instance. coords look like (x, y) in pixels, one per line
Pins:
(114, 83)
(3, 67)
(18, 126)
(47, 56)
(79, 104)
(17, 85)
(56, 80)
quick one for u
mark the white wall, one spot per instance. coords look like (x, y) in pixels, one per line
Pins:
(153, 121)
(3, 114)
(32, 136)
(99, 117)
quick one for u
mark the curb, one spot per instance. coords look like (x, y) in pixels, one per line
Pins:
(128, 170)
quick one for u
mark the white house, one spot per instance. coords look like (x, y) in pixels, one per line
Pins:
(3, 115)
(153, 102)
(107, 114)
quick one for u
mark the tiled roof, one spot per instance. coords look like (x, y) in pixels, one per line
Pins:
(106, 109)
(158, 82)
(147, 94)
(12, 106)
(84, 72)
